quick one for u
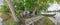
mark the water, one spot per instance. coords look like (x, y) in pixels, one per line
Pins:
(56, 19)
(1, 21)
(55, 6)
(57, 16)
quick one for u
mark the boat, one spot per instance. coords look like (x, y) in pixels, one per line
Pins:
(48, 14)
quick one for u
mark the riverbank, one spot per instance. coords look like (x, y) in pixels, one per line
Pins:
(43, 21)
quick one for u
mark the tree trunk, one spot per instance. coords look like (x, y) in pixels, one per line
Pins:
(33, 7)
(34, 12)
(12, 10)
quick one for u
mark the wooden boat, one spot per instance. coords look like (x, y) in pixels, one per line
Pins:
(48, 14)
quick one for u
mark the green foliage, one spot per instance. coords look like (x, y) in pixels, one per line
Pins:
(51, 1)
(21, 5)
(5, 8)
(58, 1)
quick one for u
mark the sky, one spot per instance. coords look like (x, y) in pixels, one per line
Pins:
(1, 2)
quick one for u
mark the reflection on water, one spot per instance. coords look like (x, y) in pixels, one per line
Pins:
(55, 6)
(56, 19)
(57, 16)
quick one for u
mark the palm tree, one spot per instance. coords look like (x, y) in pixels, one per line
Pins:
(11, 7)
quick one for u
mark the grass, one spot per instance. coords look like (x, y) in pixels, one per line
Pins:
(7, 16)
(9, 22)
(44, 21)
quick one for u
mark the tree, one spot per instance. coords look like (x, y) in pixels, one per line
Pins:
(17, 6)
(12, 10)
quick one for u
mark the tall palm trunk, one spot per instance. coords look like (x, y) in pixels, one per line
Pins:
(11, 7)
